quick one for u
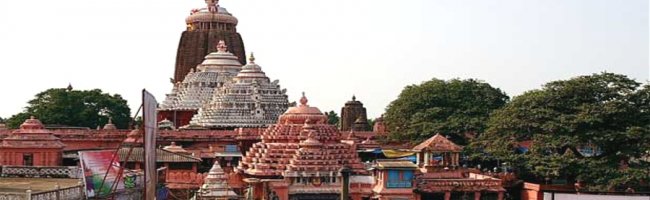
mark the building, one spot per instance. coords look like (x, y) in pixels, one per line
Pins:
(205, 27)
(353, 116)
(394, 179)
(198, 87)
(216, 186)
(441, 177)
(249, 100)
(300, 157)
(31, 145)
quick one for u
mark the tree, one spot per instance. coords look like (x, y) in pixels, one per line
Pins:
(455, 108)
(2, 120)
(87, 108)
(333, 118)
(608, 113)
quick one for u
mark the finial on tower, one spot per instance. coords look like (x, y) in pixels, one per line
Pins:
(212, 5)
(303, 100)
(252, 58)
(222, 47)
(69, 87)
(354, 97)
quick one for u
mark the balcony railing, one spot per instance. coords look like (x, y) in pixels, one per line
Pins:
(399, 184)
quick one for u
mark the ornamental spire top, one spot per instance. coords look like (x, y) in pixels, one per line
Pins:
(212, 5)
(303, 100)
(251, 58)
(222, 47)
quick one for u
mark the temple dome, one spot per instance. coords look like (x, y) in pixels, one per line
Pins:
(220, 61)
(302, 113)
(32, 123)
(110, 125)
(197, 88)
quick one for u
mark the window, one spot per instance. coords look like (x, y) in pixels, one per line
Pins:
(231, 148)
(28, 159)
(399, 179)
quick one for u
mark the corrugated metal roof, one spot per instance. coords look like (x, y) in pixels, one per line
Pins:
(161, 156)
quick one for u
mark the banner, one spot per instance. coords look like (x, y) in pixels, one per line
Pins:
(98, 167)
(150, 105)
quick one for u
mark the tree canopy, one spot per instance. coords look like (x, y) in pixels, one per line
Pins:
(333, 118)
(593, 129)
(455, 108)
(83, 108)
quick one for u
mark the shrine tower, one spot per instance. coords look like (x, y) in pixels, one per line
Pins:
(205, 27)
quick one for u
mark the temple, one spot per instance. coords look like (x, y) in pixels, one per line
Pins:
(249, 100)
(353, 116)
(197, 87)
(300, 157)
(31, 145)
(206, 26)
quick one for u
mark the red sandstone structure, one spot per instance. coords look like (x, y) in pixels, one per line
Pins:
(300, 158)
(31, 145)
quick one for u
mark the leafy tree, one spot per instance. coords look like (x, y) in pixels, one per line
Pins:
(87, 108)
(333, 118)
(606, 111)
(371, 122)
(455, 108)
(2, 120)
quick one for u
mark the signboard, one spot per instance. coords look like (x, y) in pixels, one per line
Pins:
(100, 169)
(150, 106)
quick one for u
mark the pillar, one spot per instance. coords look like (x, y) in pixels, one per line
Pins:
(477, 195)
(426, 158)
(500, 197)
(417, 158)
(448, 195)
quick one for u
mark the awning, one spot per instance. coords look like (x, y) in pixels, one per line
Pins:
(396, 153)
(228, 154)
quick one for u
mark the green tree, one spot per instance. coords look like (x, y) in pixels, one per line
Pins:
(606, 111)
(333, 118)
(87, 108)
(455, 108)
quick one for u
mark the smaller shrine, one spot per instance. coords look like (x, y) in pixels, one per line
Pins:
(353, 116)
(216, 186)
(31, 145)
(441, 177)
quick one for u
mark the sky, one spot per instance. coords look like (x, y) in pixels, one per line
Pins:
(331, 50)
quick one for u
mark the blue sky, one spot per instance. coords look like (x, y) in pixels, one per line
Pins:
(329, 49)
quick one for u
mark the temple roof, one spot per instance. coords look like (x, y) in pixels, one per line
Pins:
(31, 135)
(216, 185)
(249, 100)
(197, 88)
(438, 143)
(300, 144)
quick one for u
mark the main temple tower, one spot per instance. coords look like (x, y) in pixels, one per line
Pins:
(205, 27)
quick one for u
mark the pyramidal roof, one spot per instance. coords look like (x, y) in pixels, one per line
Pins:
(197, 88)
(250, 99)
(438, 143)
